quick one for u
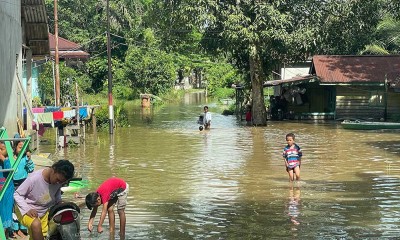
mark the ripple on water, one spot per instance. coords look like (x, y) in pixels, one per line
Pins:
(230, 182)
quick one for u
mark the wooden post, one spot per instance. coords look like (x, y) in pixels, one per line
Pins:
(57, 69)
(28, 90)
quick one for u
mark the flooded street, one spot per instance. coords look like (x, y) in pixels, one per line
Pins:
(230, 182)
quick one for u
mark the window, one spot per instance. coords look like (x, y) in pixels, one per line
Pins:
(376, 99)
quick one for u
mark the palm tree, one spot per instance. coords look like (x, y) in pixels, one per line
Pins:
(387, 38)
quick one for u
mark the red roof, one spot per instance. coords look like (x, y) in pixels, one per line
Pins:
(66, 48)
(356, 69)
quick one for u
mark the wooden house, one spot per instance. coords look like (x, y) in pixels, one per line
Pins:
(344, 87)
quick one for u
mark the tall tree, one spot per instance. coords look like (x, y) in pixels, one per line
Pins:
(257, 34)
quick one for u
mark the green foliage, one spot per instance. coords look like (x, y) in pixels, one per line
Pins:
(69, 77)
(221, 75)
(149, 70)
(374, 49)
(391, 7)
(36, 101)
(46, 82)
(102, 118)
(388, 34)
(170, 96)
(224, 93)
(97, 69)
(120, 116)
(152, 41)
(346, 27)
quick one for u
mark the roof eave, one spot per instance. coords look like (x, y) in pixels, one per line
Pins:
(352, 84)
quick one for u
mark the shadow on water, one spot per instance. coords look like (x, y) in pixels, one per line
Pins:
(230, 182)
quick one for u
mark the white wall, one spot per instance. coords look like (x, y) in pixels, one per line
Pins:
(10, 63)
(295, 70)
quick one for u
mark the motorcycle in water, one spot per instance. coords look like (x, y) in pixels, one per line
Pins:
(64, 221)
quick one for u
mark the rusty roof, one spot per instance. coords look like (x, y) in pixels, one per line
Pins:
(63, 44)
(66, 48)
(363, 69)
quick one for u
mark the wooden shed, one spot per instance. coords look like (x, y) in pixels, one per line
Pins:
(346, 87)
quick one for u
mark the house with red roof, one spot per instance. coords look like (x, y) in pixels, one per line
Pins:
(344, 87)
(68, 51)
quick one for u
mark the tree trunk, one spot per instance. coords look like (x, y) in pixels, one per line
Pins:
(259, 112)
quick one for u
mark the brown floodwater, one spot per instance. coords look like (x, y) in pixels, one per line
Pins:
(230, 182)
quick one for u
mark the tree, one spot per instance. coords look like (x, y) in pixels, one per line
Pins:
(70, 76)
(257, 35)
(149, 70)
(387, 38)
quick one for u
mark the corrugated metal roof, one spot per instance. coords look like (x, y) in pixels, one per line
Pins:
(63, 44)
(72, 54)
(66, 48)
(335, 69)
(35, 28)
(34, 13)
(290, 81)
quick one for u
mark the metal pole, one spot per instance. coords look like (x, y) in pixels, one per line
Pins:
(57, 84)
(110, 99)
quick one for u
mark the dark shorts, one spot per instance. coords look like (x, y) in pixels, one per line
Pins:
(292, 167)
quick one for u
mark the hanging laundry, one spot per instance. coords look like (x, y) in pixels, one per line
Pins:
(38, 110)
(83, 113)
(70, 113)
(58, 115)
(52, 109)
(66, 109)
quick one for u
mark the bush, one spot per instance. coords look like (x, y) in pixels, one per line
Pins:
(224, 93)
(120, 117)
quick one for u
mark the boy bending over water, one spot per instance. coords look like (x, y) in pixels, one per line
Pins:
(112, 192)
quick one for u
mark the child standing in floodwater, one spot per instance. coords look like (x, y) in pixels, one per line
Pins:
(292, 156)
(207, 118)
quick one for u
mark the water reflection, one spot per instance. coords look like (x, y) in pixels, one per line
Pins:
(230, 182)
(294, 206)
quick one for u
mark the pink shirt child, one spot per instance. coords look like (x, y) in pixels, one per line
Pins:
(36, 193)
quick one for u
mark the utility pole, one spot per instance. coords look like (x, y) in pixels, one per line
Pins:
(57, 69)
(110, 99)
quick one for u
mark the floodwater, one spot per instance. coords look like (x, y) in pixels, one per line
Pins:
(230, 182)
